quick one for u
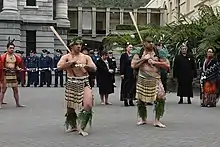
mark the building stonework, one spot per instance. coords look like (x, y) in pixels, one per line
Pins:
(108, 3)
(188, 8)
(17, 18)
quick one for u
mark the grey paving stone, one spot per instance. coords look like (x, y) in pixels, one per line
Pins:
(40, 123)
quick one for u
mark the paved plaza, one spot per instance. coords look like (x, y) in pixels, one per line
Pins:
(40, 123)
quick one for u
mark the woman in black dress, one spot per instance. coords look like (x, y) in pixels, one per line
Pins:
(128, 78)
(104, 74)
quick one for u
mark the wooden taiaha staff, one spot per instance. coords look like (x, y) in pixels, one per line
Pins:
(58, 36)
(135, 24)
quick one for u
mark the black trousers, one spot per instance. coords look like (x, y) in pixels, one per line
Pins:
(57, 75)
(45, 78)
(33, 78)
(19, 79)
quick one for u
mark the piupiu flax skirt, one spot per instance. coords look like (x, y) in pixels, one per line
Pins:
(146, 87)
(11, 79)
(74, 91)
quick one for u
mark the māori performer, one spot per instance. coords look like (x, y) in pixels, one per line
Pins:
(149, 88)
(210, 80)
(10, 64)
(78, 93)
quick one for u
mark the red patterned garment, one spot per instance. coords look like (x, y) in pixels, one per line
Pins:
(18, 63)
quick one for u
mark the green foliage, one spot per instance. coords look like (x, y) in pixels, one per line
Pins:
(125, 27)
(129, 27)
(113, 41)
(159, 108)
(199, 34)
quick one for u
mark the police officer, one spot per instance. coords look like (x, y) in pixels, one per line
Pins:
(44, 67)
(23, 57)
(58, 73)
(96, 56)
(24, 62)
(49, 72)
(20, 53)
(32, 67)
(112, 62)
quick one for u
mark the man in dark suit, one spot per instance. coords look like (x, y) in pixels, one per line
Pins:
(58, 73)
(112, 61)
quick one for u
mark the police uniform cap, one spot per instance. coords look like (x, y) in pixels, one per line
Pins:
(32, 51)
(58, 51)
(18, 51)
(21, 52)
(44, 51)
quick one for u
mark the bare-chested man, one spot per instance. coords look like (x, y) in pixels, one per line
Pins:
(78, 94)
(149, 88)
(11, 63)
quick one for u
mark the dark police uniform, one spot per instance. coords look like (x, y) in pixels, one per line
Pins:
(49, 72)
(32, 66)
(58, 73)
(95, 58)
(45, 66)
(112, 62)
(20, 53)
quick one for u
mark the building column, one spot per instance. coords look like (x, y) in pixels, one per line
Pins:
(93, 22)
(162, 18)
(9, 28)
(107, 21)
(80, 15)
(10, 7)
(121, 16)
(135, 14)
(148, 16)
(62, 13)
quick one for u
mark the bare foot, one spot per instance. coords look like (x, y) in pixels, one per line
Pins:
(71, 130)
(141, 122)
(83, 133)
(159, 125)
(20, 105)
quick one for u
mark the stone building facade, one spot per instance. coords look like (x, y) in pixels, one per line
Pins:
(94, 23)
(188, 8)
(28, 22)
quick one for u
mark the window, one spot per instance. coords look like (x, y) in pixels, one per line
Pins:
(30, 2)
(30, 41)
(1, 5)
(178, 9)
(54, 9)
